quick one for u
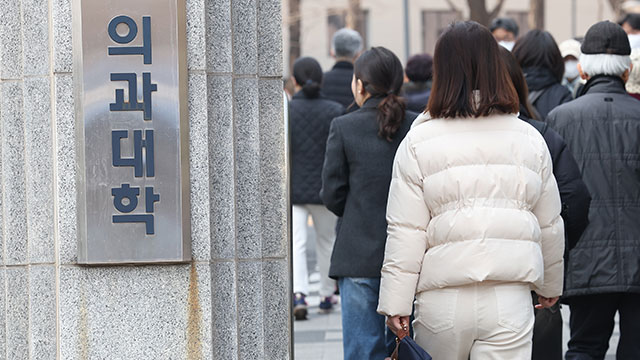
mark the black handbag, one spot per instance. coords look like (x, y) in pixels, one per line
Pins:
(407, 349)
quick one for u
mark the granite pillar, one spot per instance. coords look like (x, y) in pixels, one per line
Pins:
(232, 301)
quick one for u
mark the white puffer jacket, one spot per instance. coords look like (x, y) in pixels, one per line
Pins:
(471, 200)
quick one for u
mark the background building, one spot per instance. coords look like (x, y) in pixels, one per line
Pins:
(383, 21)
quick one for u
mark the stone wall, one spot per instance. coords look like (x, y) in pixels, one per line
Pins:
(233, 300)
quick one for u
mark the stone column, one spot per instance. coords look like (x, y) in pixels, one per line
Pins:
(232, 301)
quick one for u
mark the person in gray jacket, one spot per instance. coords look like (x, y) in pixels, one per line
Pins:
(602, 128)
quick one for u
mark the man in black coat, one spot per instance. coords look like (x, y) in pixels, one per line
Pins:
(575, 197)
(602, 128)
(346, 46)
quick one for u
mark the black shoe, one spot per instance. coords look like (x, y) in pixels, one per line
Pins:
(299, 306)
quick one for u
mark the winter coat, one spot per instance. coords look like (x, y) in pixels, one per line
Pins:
(309, 121)
(602, 128)
(573, 191)
(336, 83)
(471, 200)
(553, 93)
(355, 184)
(417, 95)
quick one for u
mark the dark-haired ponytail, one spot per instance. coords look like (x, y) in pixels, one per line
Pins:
(308, 75)
(311, 89)
(381, 74)
(391, 111)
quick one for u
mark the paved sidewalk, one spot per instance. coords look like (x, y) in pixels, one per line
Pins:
(319, 337)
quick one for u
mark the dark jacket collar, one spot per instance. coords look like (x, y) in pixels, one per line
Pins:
(603, 84)
(539, 78)
(524, 114)
(343, 65)
(416, 87)
(300, 95)
(372, 102)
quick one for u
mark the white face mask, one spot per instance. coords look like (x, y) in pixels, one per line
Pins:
(571, 69)
(634, 40)
(507, 44)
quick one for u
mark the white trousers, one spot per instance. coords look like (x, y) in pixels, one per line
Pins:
(324, 223)
(480, 321)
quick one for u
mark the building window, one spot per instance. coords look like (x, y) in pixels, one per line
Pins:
(433, 24)
(337, 19)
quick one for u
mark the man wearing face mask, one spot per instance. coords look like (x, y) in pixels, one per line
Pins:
(631, 25)
(505, 31)
(570, 50)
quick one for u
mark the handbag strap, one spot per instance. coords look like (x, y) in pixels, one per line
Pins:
(402, 333)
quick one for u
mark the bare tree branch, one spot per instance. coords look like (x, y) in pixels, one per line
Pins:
(452, 5)
(496, 9)
(616, 5)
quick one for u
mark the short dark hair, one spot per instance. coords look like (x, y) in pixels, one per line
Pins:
(382, 76)
(537, 48)
(505, 23)
(519, 83)
(632, 19)
(419, 68)
(467, 59)
(308, 74)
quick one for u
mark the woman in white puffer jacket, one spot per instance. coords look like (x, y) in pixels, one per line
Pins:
(473, 213)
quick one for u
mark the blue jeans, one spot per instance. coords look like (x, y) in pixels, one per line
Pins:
(364, 333)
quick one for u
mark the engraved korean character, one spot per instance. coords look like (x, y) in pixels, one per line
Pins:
(125, 200)
(133, 104)
(132, 27)
(143, 154)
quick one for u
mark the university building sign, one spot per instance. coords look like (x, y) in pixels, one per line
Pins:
(132, 124)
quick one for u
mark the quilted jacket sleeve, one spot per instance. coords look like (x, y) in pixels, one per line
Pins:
(547, 211)
(407, 219)
(335, 172)
(573, 191)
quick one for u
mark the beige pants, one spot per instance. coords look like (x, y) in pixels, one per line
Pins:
(324, 222)
(479, 321)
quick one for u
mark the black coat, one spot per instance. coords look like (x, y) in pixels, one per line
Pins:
(417, 95)
(573, 191)
(553, 93)
(309, 121)
(602, 128)
(355, 185)
(336, 83)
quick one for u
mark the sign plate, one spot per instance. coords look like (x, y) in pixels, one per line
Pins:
(132, 131)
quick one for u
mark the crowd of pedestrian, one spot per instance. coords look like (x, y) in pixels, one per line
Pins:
(470, 194)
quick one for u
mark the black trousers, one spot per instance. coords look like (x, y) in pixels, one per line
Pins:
(547, 332)
(592, 322)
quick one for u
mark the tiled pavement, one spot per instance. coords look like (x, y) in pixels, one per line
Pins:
(320, 337)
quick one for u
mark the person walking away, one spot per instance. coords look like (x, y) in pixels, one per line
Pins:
(417, 86)
(633, 84)
(355, 184)
(310, 118)
(631, 25)
(346, 46)
(570, 51)
(543, 67)
(473, 212)
(602, 127)
(575, 198)
(505, 31)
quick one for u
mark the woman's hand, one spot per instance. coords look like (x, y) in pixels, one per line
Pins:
(398, 324)
(546, 302)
